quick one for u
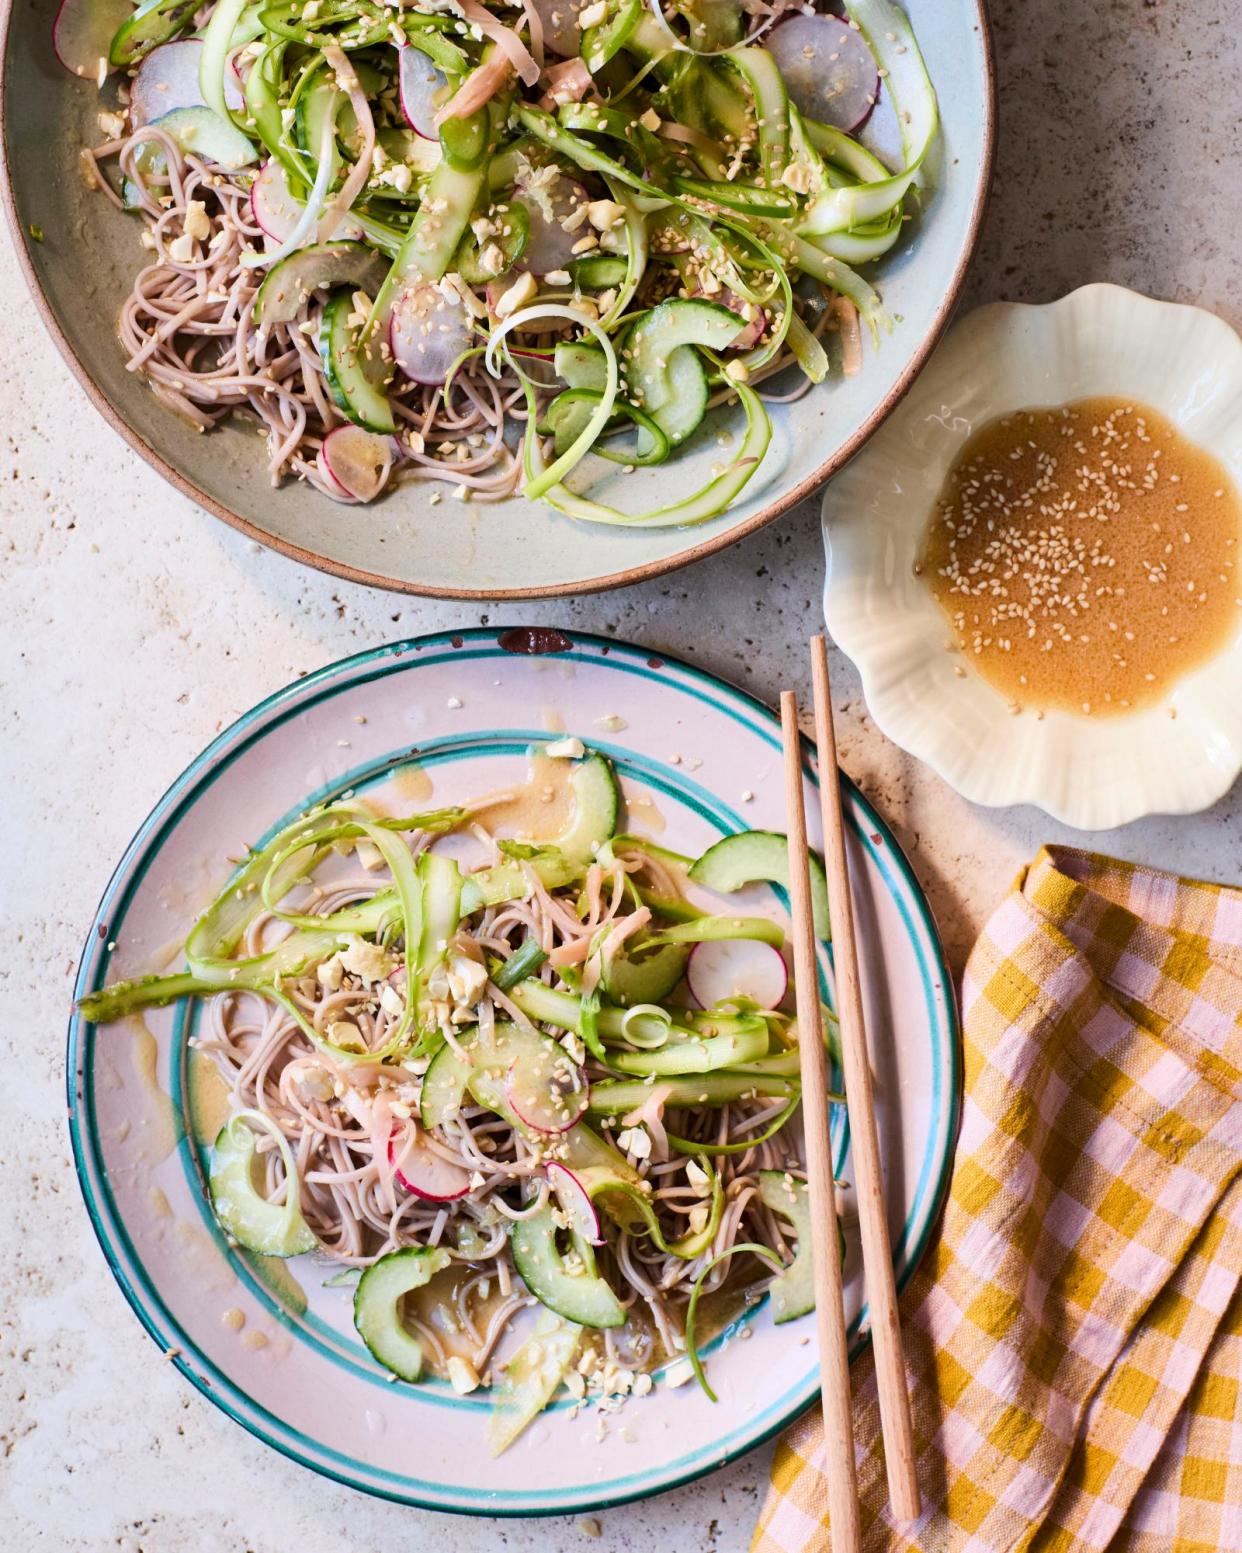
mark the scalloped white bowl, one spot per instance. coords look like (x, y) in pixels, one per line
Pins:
(1092, 773)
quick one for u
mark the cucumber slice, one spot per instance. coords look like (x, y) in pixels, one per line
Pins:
(272, 1229)
(531, 1378)
(519, 1059)
(581, 366)
(578, 1295)
(665, 374)
(152, 23)
(793, 1292)
(759, 857)
(597, 271)
(289, 283)
(630, 976)
(377, 1306)
(352, 390)
(403, 145)
(511, 241)
(318, 106)
(689, 1090)
(444, 1087)
(597, 806)
(202, 133)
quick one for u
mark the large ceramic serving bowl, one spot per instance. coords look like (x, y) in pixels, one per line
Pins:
(82, 268)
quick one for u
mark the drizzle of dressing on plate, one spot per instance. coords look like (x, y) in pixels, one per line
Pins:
(538, 809)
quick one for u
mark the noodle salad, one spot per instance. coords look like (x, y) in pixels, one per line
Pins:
(477, 1074)
(468, 244)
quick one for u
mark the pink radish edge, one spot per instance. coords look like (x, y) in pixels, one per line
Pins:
(721, 969)
(540, 1119)
(574, 1202)
(359, 461)
(439, 1180)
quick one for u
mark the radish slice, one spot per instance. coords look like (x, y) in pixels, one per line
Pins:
(276, 212)
(358, 460)
(737, 968)
(549, 246)
(334, 487)
(547, 1089)
(273, 207)
(82, 33)
(829, 71)
(422, 1171)
(424, 91)
(427, 333)
(168, 79)
(573, 1201)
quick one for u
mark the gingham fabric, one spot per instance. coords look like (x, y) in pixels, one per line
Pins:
(1074, 1338)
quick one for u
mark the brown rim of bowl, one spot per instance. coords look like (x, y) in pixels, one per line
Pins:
(635, 574)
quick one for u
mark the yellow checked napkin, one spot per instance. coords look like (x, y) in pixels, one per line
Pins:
(1074, 1339)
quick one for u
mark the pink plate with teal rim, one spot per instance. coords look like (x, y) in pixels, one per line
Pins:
(456, 715)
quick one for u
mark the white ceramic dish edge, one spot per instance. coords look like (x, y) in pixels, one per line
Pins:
(1178, 757)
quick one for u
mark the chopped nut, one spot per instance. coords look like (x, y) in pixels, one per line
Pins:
(369, 962)
(605, 214)
(462, 1375)
(797, 176)
(197, 222)
(522, 291)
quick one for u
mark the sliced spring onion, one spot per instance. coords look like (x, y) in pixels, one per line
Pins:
(523, 963)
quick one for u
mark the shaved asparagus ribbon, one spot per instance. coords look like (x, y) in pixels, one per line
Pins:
(217, 42)
(542, 481)
(270, 873)
(707, 503)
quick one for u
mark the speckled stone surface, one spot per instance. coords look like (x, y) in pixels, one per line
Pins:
(133, 627)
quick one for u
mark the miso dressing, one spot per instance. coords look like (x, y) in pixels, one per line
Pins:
(1085, 556)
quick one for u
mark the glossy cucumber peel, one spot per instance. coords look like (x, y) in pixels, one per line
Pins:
(377, 1307)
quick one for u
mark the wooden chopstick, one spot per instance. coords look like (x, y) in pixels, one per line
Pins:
(834, 1362)
(890, 1368)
